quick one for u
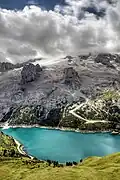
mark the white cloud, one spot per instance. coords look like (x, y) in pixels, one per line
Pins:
(25, 34)
(76, 7)
(32, 2)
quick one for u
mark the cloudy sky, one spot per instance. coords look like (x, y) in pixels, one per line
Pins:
(36, 28)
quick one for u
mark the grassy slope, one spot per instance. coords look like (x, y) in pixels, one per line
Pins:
(7, 143)
(93, 168)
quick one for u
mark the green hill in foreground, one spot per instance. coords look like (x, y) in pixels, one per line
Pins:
(93, 168)
(13, 166)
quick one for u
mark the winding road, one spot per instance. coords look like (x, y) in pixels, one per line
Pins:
(19, 148)
(73, 112)
(21, 151)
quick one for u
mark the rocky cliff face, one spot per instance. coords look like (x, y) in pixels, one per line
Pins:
(47, 92)
(30, 73)
(106, 59)
(5, 66)
(100, 114)
(71, 77)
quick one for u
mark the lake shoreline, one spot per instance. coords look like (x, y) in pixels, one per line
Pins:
(24, 152)
(20, 148)
(112, 131)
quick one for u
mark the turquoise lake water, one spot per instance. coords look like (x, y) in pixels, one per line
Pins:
(64, 145)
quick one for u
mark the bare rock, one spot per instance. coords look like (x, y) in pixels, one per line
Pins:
(117, 58)
(38, 68)
(6, 66)
(105, 59)
(71, 77)
(84, 57)
(70, 58)
(30, 72)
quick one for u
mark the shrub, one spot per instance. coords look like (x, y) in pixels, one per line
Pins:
(69, 164)
(81, 160)
(75, 163)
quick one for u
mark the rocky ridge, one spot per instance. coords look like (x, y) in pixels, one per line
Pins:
(30, 73)
(48, 92)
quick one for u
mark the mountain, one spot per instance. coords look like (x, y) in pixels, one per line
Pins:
(59, 92)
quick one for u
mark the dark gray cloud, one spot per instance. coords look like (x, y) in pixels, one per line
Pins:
(32, 31)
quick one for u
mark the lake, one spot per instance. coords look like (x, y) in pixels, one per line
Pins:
(64, 145)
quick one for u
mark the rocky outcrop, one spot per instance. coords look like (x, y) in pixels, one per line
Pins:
(5, 66)
(30, 115)
(71, 77)
(53, 117)
(70, 58)
(30, 72)
(117, 58)
(105, 59)
(84, 57)
(7, 115)
(38, 69)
